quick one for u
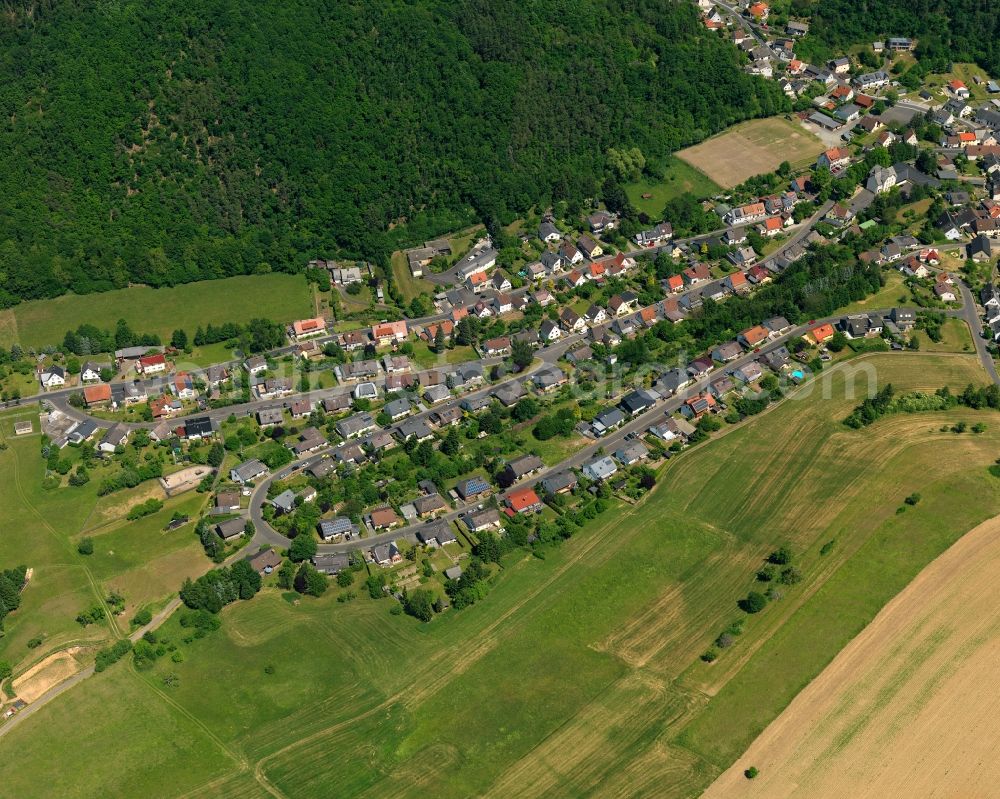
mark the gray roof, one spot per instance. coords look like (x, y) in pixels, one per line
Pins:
(331, 564)
(609, 418)
(414, 427)
(600, 468)
(354, 425)
(438, 530)
(559, 482)
(518, 467)
(633, 451)
(231, 527)
(339, 525)
(397, 407)
(509, 393)
(285, 500)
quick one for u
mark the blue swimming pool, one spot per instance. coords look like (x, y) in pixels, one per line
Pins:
(797, 374)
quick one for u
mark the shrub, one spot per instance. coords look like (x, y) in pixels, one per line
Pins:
(112, 654)
(86, 546)
(751, 772)
(142, 618)
(790, 576)
(765, 575)
(780, 556)
(710, 656)
(755, 602)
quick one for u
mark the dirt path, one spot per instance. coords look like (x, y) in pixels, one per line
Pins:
(909, 708)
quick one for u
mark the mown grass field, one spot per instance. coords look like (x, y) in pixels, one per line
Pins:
(679, 177)
(277, 296)
(580, 673)
(752, 148)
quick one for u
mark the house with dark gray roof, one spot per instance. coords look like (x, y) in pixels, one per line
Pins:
(397, 408)
(331, 564)
(414, 427)
(356, 425)
(231, 528)
(607, 420)
(509, 393)
(437, 532)
(559, 483)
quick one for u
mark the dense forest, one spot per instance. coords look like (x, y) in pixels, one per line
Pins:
(949, 30)
(164, 142)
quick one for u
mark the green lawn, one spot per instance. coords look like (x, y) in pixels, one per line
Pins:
(954, 338)
(409, 285)
(889, 296)
(679, 178)
(556, 449)
(280, 297)
(425, 358)
(580, 671)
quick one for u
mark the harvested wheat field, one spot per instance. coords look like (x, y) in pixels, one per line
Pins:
(752, 148)
(47, 674)
(909, 708)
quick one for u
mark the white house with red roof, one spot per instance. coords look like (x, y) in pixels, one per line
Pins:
(151, 364)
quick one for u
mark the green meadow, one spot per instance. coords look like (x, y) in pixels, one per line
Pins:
(278, 296)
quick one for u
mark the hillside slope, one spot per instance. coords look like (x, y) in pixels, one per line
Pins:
(955, 30)
(163, 142)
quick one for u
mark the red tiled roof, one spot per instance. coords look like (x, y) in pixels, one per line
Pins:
(522, 499)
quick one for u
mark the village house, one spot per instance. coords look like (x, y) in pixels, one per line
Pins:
(560, 483)
(97, 395)
(524, 500)
(698, 406)
(834, 158)
(90, 372)
(497, 347)
(569, 254)
(52, 376)
(389, 332)
(472, 488)
(600, 469)
(631, 453)
(151, 364)
(590, 248)
(306, 328)
(384, 519)
(356, 425)
(386, 555)
(231, 529)
(571, 321)
(601, 221)
(480, 520)
(549, 331)
(521, 467)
